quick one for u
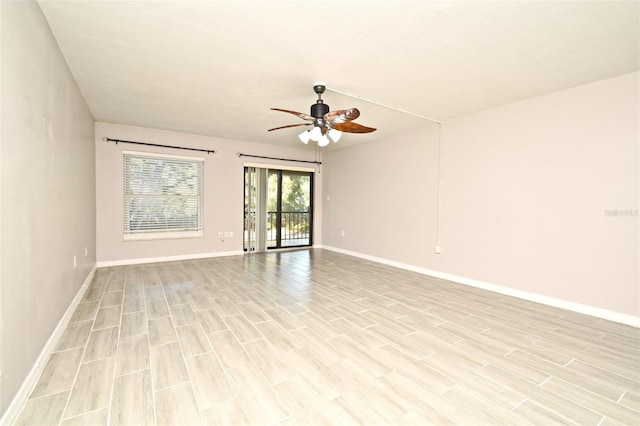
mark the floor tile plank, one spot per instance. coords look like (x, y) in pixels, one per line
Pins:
(210, 384)
(92, 388)
(226, 413)
(98, 417)
(44, 410)
(75, 335)
(133, 354)
(161, 331)
(59, 373)
(167, 366)
(243, 329)
(177, 406)
(133, 400)
(538, 415)
(102, 343)
(257, 398)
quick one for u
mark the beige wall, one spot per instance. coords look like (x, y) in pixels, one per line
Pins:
(47, 194)
(224, 180)
(525, 191)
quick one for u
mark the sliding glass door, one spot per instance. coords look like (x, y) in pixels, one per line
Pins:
(290, 209)
(278, 209)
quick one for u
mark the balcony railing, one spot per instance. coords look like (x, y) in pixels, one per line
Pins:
(294, 229)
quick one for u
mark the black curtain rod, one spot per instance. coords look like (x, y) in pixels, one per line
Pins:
(117, 141)
(281, 159)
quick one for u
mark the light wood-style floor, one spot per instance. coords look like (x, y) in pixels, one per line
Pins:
(316, 337)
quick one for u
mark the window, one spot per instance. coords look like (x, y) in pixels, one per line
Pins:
(162, 196)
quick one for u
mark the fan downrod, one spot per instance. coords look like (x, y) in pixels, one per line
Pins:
(319, 109)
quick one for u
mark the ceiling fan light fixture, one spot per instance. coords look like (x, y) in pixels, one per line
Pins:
(315, 134)
(335, 135)
(324, 141)
(304, 137)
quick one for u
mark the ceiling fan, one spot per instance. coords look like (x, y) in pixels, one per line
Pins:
(325, 122)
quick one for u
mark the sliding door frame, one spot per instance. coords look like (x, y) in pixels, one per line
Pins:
(248, 246)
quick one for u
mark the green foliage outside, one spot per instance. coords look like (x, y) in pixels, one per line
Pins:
(296, 199)
(296, 196)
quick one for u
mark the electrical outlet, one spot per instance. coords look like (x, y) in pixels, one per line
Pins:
(75, 263)
(438, 249)
(86, 252)
(342, 233)
(230, 234)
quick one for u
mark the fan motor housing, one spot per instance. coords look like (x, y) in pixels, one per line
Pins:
(319, 109)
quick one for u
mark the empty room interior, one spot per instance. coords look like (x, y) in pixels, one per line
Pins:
(304, 213)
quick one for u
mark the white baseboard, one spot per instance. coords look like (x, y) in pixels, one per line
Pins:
(105, 263)
(11, 415)
(533, 297)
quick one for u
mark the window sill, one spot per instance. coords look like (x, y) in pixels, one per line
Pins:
(162, 236)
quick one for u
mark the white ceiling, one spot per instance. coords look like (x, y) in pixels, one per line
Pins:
(216, 67)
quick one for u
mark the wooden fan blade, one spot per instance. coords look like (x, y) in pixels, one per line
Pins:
(351, 127)
(296, 113)
(290, 125)
(342, 115)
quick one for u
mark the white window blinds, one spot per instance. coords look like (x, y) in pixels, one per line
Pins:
(162, 195)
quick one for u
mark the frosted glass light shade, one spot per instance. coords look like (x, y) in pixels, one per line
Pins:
(315, 134)
(304, 137)
(335, 135)
(324, 141)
